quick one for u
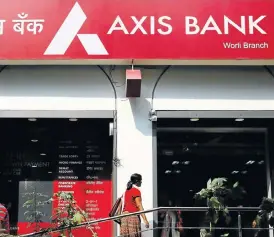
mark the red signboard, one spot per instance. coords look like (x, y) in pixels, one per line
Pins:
(154, 29)
(93, 197)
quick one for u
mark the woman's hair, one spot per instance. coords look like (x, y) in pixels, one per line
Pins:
(134, 179)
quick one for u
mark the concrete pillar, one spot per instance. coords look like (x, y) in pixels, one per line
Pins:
(134, 148)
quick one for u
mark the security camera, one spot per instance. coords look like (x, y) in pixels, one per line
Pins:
(152, 116)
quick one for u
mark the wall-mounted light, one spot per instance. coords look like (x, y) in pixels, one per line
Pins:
(34, 140)
(175, 162)
(239, 119)
(73, 119)
(194, 119)
(32, 119)
(43, 154)
(250, 162)
(133, 82)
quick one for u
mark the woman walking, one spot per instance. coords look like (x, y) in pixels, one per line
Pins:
(132, 202)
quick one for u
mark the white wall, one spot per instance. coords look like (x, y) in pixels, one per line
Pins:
(213, 88)
(181, 88)
(54, 88)
(135, 148)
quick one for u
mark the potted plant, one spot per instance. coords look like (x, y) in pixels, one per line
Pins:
(68, 216)
(216, 194)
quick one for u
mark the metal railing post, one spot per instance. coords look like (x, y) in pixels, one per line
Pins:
(240, 231)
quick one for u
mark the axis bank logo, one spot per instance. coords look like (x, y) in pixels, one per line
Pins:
(69, 30)
(146, 25)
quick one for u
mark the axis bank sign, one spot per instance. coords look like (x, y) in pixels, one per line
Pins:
(163, 25)
(146, 25)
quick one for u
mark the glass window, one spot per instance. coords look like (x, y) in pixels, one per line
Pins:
(45, 156)
(189, 156)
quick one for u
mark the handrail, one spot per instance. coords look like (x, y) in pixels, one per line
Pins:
(239, 209)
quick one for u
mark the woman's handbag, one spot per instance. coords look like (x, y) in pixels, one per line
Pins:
(117, 210)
